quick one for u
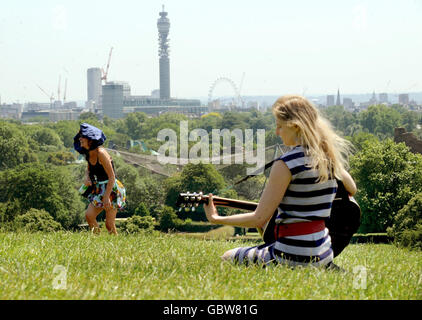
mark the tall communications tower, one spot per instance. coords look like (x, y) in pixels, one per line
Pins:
(163, 25)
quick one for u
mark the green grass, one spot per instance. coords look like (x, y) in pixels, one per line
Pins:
(162, 266)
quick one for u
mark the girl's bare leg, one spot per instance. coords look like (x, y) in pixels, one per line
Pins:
(111, 221)
(91, 218)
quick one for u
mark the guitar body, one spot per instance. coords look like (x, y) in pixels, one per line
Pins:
(343, 222)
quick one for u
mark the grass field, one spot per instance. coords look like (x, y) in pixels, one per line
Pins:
(168, 266)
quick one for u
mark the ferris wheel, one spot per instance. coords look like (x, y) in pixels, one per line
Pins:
(238, 99)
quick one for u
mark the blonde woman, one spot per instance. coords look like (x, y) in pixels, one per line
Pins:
(301, 187)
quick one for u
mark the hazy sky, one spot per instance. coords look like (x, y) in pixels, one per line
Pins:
(280, 46)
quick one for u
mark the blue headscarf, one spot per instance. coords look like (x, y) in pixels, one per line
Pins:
(90, 132)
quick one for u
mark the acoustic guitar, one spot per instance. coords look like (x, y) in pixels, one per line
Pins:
(343, 222)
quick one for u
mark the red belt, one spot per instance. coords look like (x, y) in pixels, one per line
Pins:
(298, 228)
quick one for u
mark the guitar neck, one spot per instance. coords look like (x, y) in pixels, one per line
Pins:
(233, 203)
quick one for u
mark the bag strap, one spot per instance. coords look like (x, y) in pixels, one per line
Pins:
(341, 191)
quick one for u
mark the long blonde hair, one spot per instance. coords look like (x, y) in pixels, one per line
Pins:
(328, 152)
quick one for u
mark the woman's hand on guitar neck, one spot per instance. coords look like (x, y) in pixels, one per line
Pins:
(211, 210)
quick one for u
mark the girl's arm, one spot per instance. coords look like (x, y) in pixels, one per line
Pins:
(88, 181)
(105, 161)
(278, 182)
(349, 183)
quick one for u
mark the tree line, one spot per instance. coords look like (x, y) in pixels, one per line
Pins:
(40, 176)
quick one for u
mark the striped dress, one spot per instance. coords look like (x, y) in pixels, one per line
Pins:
(305, 200)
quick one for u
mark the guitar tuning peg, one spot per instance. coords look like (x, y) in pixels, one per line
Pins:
(187, 209)
(186, 198)
(192, 198)
(193, 209)
(180, 209)
(196, 204)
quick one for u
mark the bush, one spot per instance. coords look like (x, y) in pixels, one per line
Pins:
(197, 226)
(371, 238)
(14, 147)
(136, 223)
(407, 227)
(169, 219)
(412, 238)
(43, 187)
(36, 220)
(388, 175)
(139, 188)
(142, 210)
(61, 158)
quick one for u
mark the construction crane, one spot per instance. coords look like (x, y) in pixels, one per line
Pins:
(50, 97)
(58, 89)
(65, 88)
(240, 88)
(104, 77)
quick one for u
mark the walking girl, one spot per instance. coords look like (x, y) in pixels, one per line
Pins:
(101, 187)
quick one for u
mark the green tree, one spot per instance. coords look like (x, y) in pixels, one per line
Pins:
(139, 189)
(360, 139)
(133, 123)
(380, 120)
(341, 119)
(407, 227)
(46, 187)
(210, 121)
(14, 147)
(61, 158)
(88, 116)
(194, 178)
(66, 131)
(232, 120)
(43, 136)
(388, 175)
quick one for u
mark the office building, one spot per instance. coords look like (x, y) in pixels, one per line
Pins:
(11, 111)
(60, 115)
(404, 98)
(113, 94)
(94, 88)
(348, 103)
(330, 100)
(383, 97)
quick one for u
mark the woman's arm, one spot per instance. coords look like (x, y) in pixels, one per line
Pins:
(105, 161)
(349, 183)
(278, 182)
(87, 181)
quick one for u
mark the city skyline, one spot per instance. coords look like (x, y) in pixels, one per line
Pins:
(358, 47)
